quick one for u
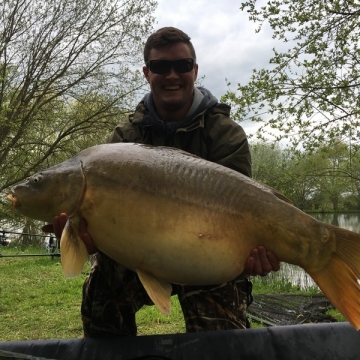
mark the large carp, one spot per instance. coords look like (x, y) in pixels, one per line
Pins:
(175, 218)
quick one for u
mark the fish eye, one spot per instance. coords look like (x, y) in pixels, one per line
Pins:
(35, 179)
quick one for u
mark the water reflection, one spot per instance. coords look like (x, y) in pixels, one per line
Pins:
(346, 221)
(297, 276)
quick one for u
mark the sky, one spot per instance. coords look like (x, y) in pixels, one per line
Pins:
(225, 41)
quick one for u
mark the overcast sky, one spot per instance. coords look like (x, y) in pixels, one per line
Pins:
(225, 41)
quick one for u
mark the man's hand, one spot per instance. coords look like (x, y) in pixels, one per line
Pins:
(261, 262)
(59, 224)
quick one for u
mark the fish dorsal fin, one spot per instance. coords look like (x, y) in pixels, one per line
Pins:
(275, 192)
(73, 250)
(159, 291)
(281, 196)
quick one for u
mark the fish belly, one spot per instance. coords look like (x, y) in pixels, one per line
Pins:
(170, 239)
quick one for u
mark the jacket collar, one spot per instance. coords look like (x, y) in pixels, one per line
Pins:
(145, 114)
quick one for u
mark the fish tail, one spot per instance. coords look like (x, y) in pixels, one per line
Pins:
(73, 250)
(339, 280)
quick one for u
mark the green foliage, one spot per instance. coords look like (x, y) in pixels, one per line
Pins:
(336, 315)
(269, 164)
(289, 280)
(325, 179)
(308, 94)
(67, 77)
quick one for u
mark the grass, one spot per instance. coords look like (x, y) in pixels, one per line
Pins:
(37, 302)
(150, 321)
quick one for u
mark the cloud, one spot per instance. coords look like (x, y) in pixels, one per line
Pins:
(225, 41)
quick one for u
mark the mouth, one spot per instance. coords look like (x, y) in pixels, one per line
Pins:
(172, 87)
(14, 201)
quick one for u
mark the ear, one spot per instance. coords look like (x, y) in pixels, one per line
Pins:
(196, 68)
(146, 73)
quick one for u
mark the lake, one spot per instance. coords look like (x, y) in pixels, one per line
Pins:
(296, 275)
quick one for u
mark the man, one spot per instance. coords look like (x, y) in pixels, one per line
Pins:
(175, 113)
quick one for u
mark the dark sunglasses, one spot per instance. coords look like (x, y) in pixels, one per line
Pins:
(164, 66)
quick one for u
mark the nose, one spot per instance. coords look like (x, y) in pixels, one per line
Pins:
(172, 73)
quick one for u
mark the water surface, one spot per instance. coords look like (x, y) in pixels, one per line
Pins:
(297, 276)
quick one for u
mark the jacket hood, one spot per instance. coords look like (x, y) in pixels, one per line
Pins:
(203, 100)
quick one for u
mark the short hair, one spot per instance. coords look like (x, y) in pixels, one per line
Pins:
(167, 36)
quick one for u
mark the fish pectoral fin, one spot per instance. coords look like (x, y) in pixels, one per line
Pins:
(159, 291)
(73, 250)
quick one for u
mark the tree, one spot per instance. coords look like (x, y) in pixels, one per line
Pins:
(269, 164)
(304, 179)
(67, 74)
(336, 180)
(309, 93)
(322, 179)
(289, 172)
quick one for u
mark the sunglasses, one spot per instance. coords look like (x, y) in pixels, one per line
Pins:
(164, 66)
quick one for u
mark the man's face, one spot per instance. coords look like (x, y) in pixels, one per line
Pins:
(171, 91)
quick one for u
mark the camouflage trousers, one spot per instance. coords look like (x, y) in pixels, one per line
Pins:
(112, 295)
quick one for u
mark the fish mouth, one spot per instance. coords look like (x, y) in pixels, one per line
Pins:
(14, 200)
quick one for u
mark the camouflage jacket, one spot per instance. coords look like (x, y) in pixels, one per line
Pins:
(211, 134)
